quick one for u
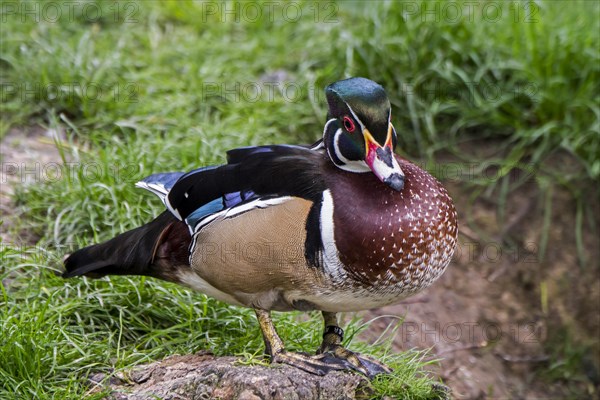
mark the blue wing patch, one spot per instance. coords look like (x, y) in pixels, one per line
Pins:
(270, 171)
(209, 208)
(229, 200)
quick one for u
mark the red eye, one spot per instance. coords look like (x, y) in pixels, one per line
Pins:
(349, 124)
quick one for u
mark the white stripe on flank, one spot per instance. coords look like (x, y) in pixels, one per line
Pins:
(332, 263)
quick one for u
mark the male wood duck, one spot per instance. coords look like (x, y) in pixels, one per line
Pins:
(344, 225)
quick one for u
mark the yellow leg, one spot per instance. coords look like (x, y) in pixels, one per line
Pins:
(331, 355)
(275, 349)
(273, 343)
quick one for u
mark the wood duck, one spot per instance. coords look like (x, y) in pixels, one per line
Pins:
(343, 225)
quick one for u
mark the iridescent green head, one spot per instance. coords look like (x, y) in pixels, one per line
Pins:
(358, 135)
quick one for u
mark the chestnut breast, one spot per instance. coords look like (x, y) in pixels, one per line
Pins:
(394, 238)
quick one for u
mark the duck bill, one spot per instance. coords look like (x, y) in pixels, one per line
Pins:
(382, 162)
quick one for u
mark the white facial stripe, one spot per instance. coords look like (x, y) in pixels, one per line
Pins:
(327, 124)
(336, 146)
(355, 166)
(349, 165)
(362, 126)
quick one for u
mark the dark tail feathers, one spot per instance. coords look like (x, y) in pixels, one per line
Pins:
(156, 249)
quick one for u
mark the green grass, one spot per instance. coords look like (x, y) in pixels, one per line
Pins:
(153, 88)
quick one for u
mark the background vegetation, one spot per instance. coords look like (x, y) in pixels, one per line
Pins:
(149, 86)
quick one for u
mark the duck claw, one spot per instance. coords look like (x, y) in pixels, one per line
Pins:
(366, 365)
(324, 363)
(317, 365)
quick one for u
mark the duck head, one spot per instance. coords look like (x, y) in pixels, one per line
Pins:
(359, 136)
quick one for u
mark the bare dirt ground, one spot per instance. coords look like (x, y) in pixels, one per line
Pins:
(498, 312)
(495, 316)
(25, 156)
